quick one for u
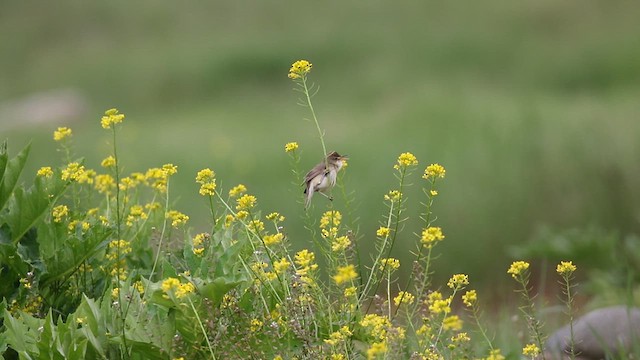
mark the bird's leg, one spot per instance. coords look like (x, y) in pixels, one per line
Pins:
(325, 195)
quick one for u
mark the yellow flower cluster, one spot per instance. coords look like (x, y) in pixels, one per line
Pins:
(108, 162)
(180, 290)
(61, 134)
(405, 160)
(77, 224)
(376, 350)
(246, 202)
(59, 212)
(437, 304)
(531, 350)
(517, 268)
(299, 69)
(404, 297)
(45, 171)
(198, 243)
(452, 322)
(136, 213)
(207, 180)
(345, 274)
(273, 239)
(566, 268)
(256, 325)
(292, 146)
(390, 263)
(470, 298)
(111, 117)
(280, 266)
(177, 218)
(383, 232)
(332, 217)
(495, 354)
(104, 183)
(458, 281)
(275, 216)
(305, 260)
(393, 196)
(340, 243)
(434, 171)
(237, 190)
(376, 325)
(337, 337)
(118, 246)
(431, 236)
(73, 172)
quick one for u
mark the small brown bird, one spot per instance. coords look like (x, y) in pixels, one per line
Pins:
(323, 176)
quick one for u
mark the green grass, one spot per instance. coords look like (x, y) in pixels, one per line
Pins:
(531, 106)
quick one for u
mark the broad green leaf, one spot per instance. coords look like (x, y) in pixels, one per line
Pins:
(20, 337)
(10, 171)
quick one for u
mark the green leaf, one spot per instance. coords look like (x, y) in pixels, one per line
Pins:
(20, 336)
(10, 171)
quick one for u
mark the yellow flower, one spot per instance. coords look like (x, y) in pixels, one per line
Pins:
(45, 171)
(299, 69)
(256, 226)
(237, 190)
(292, 146)
(494, 355)
(339, 336)
(457, 281)
(345, 274)
(246, 202)
(73, 172)
(255, 325)
(332, 217)
(390, 263)
(180, 290)
(169, 169)
(242, 214)
(470, 298)
(275, 216)
(440, 306)
(115, 293)
(273, 239)
(434, 171)
(59, 212)
(108, 162)
(461, 337)
(517, 268)
(111, 117)
(281, 265)
(404, 298)
(566, 268)
(405, 160)
(431, 236)
(104, 183)
(393, 196)
(61, 134)
(531, 350)
(376, 349)
(177, 218)
(340, 243)
(452, 322)
(433, 192)
(207, 180)
(383, 232)
(376, 325)
(350, 291)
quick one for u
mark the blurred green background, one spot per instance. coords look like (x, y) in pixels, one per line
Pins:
(532, 106)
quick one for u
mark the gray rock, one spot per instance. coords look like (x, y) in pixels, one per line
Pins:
(612, 331)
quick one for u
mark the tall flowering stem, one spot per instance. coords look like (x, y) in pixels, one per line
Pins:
(404, 165)
(566, 269)
(430, 235)
(298, 73)
(519, 271)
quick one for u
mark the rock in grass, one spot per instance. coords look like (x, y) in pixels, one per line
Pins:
(612, 333)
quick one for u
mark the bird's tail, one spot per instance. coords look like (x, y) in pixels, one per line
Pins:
(307, 200)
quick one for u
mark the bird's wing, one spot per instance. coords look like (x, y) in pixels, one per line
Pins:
(317, 170)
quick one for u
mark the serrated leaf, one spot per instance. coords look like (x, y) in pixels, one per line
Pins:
(20, 336)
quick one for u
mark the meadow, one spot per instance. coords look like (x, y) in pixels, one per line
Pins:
(531, 108)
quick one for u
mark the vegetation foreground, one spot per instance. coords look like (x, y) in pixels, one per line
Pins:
(100, 265)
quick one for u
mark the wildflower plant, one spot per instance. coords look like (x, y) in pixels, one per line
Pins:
(106, 267)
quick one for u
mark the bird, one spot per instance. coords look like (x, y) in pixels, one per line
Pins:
(323, 176)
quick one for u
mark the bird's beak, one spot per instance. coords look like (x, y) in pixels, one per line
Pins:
(344, 157)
